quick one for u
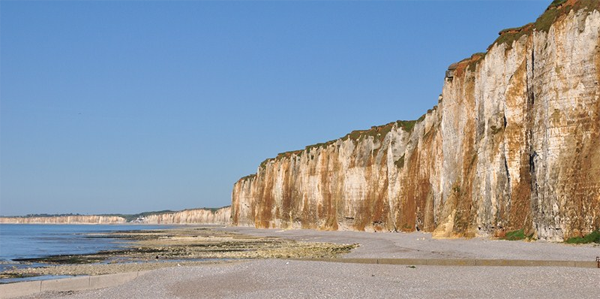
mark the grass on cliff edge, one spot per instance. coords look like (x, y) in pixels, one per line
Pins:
(593, 237)
(555, 10)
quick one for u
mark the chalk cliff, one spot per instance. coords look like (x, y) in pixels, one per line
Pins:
(192, 216)
(512, 144)
(75, 219)
(200, 216)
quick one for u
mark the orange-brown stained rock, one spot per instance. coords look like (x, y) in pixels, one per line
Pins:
(513, 144)
(580, 185)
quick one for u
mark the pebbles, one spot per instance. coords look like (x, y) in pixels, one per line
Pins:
(272, 278)
(305, 279)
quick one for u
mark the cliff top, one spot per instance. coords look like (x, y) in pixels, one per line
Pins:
(555, 11)
(376, 132)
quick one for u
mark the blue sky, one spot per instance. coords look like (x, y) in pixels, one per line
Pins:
(131, 106)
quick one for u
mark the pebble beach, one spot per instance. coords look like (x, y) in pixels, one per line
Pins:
(280, 277)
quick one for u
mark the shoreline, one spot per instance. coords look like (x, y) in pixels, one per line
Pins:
(418, 265)
(159, 248)
(199, 244)
(79, 236)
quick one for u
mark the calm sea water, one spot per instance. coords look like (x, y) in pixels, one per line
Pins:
(39, 240)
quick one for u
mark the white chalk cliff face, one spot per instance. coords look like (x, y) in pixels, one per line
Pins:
(192, 216)
(514, 143)
(74, 219)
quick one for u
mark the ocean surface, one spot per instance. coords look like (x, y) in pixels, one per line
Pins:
(19, 241)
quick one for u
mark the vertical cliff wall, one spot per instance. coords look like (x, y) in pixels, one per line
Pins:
(193, 216)
(74, 219)
(512, 144)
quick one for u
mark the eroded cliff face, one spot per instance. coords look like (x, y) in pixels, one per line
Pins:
(75, 219)
(192, 216)
(512, 144)
(195, 216)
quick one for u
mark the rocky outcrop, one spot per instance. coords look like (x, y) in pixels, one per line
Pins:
(195, 216)
(514, 143)
(75, 219)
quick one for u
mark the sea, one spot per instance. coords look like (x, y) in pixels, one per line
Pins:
(19, 241)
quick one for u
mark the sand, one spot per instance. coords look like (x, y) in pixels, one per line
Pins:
(281, 278)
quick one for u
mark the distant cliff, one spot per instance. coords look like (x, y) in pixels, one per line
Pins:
(192, 216)
(203, 216)
(514, 143)
(75, 219)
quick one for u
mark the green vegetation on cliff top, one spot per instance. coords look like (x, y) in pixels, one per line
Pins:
(556, 10)
(379, 132)
(376, 132)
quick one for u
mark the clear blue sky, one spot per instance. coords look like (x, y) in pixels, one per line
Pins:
(131, 106)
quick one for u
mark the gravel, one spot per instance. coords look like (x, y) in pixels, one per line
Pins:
(421, 245)
(305, 279)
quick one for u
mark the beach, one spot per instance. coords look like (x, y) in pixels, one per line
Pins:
(357, 274)
(168, 247)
